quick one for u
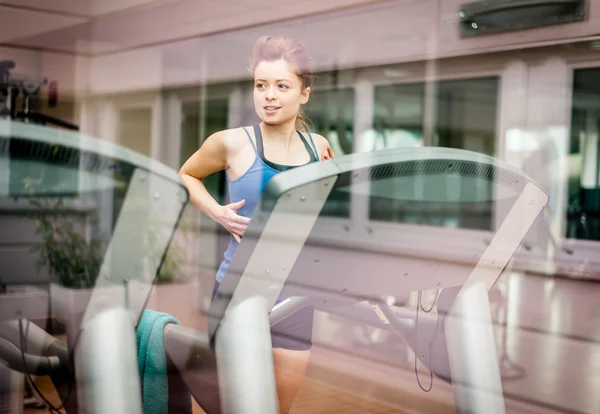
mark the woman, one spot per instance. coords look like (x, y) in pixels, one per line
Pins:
(250, 156)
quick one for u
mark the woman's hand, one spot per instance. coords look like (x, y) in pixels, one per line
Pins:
(327, 154)
(232, 221)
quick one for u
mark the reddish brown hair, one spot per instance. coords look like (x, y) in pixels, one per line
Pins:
(272, 48)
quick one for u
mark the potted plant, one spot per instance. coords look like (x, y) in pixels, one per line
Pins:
(71, 259)
(72, 250)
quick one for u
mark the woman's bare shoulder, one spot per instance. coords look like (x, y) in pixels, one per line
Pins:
(232, 138)
(320, 141)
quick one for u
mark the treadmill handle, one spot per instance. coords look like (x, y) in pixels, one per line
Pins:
(27, 363)
(37, 341)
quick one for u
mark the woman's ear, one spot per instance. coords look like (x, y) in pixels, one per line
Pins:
(305, 95)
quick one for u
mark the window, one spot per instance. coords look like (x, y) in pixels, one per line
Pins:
(583, 208)
(466, 117)
(213, 119)
(397, 119)
(331, 114)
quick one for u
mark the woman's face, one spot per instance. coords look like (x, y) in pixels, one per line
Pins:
(278, 92)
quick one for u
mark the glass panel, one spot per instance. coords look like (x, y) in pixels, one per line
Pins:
(466, 119)
(331, 114)
(583, 210)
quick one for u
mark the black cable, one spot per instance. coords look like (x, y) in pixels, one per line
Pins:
(51, 408)
(22, 337)
(437, 292)
(419, 305)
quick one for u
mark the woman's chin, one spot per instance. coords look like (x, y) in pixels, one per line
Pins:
(275, 120)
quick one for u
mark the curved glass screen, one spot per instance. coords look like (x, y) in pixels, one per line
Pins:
(77, 213)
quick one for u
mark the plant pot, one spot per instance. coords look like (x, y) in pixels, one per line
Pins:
(68, 305)
(24, 301)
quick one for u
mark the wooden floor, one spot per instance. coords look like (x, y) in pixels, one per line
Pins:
(331, 386)
(314, 397)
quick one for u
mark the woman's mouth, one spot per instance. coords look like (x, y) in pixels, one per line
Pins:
(271, 108)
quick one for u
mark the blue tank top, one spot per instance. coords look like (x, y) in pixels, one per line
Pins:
(250, 186)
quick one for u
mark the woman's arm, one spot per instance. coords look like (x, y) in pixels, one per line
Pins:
(210, 158)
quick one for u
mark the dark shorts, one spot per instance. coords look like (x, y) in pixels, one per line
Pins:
(294, 332)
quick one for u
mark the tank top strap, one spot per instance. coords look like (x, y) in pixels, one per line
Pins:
(252, 142)
(259, 141)
(260, 149)
(313, 156)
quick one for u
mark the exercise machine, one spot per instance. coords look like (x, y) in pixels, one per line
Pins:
(289, 251)
(20, 98)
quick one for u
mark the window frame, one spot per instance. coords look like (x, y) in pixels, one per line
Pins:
(359, 224)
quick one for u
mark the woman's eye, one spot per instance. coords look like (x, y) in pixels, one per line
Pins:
(282, 86)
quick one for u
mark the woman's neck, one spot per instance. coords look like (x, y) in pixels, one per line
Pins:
(281, 134)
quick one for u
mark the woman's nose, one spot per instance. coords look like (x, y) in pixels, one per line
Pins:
(270, 93)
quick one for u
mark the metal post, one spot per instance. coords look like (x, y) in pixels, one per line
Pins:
(289, 306)
(245, 359)
(472, 353)
(110, 379)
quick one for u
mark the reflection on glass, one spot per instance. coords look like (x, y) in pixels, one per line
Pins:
(583, 209)
(466, 119)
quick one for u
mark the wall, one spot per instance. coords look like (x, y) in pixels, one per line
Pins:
(385, 32)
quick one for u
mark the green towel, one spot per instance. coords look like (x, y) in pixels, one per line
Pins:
(152, 361)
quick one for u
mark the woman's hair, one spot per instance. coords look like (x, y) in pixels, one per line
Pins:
(272, 48)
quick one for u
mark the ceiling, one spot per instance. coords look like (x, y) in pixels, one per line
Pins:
(79, 8)
(96, 27)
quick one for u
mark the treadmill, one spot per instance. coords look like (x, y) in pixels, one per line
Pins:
(135, 204)
(289, 258)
